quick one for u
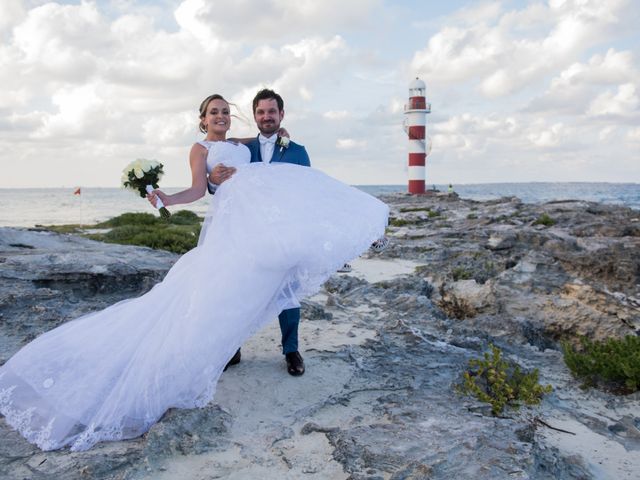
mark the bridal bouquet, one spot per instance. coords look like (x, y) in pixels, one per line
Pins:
(143, 176)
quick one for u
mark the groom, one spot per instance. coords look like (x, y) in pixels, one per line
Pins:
(267, 147)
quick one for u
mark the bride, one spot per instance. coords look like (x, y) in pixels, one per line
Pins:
(273, 234)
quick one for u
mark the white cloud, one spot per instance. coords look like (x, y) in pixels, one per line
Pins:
(611, 68)
(549, 137)
(634, 135)
(349, 143)
(336, 114)
(624, 102)
(512, 87)
(79, 109)
(168, 129)
(269, 20)
(502, 58)
(62, 40)
(12, 13)
(606, 133)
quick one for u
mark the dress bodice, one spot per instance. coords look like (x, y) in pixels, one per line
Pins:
(228, 153)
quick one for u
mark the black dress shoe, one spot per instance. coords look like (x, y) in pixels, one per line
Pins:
(234, 360)
(295, 364)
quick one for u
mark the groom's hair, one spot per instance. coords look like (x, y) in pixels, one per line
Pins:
(266, 94)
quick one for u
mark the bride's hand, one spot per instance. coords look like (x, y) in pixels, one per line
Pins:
(220, 173)
(158, 194)
(282, 132)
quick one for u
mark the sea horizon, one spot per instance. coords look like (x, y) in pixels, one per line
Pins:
(360, 185)
(31, 206)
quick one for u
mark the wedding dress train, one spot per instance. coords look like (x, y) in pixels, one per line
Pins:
(274, 233)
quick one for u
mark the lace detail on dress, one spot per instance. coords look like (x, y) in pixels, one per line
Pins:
(272, 213)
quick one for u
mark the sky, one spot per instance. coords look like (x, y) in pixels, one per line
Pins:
(521, 91)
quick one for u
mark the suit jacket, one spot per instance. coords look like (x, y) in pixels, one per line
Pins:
(294, 153)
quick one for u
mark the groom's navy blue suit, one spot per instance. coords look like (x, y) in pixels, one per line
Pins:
(296, 154)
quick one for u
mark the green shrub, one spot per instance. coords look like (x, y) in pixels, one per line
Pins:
(414, 209)
(545, 220)
(500, 383)
(178, 234)
(398, 222)
(612, 364)
(184, 217)
(130, 219)
(472, 216)
(461, 273)
(433, 213)
(174, 238)
(75, 228)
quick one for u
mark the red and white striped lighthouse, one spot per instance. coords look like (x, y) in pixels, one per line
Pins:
(415, 122)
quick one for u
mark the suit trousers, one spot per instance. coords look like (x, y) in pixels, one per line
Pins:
(289, 320)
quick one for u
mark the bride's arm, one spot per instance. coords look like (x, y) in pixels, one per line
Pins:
(198, 163)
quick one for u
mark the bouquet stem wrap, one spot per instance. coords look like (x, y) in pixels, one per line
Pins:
(164, 213)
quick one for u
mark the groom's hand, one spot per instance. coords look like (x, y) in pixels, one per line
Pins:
(220, 174)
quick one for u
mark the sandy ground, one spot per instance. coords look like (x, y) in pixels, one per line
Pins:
(269, 407)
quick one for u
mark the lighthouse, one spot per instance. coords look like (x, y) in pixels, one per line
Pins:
(415, 122)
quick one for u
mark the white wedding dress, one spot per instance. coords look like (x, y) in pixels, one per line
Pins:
(274, 233)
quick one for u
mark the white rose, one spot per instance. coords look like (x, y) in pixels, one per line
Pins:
(284, 142)
(137, 171)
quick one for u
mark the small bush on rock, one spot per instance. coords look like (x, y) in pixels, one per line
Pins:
(184, 217)
(130, 218)
(179, 233)
(496, 381)
(612, 365)
(398, 222)
(545, 220)
(174, 238)
(461, 273)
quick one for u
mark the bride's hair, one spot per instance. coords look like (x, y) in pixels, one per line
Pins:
(205, 104)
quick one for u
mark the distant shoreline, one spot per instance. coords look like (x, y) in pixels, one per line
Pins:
(27, 207)
(367, 185)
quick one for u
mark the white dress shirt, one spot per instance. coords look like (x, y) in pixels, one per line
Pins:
(267, 146)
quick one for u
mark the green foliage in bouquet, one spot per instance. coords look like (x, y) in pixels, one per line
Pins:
(613, 364)
(496, 381)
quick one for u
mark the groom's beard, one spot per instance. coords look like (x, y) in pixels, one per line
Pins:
(268, 127)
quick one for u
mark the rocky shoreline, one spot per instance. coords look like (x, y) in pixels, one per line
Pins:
(384, 348)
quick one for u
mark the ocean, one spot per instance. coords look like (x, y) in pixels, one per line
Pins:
(28, 207)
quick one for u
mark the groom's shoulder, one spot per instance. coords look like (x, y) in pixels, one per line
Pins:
(298, 154)
(295, 146)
